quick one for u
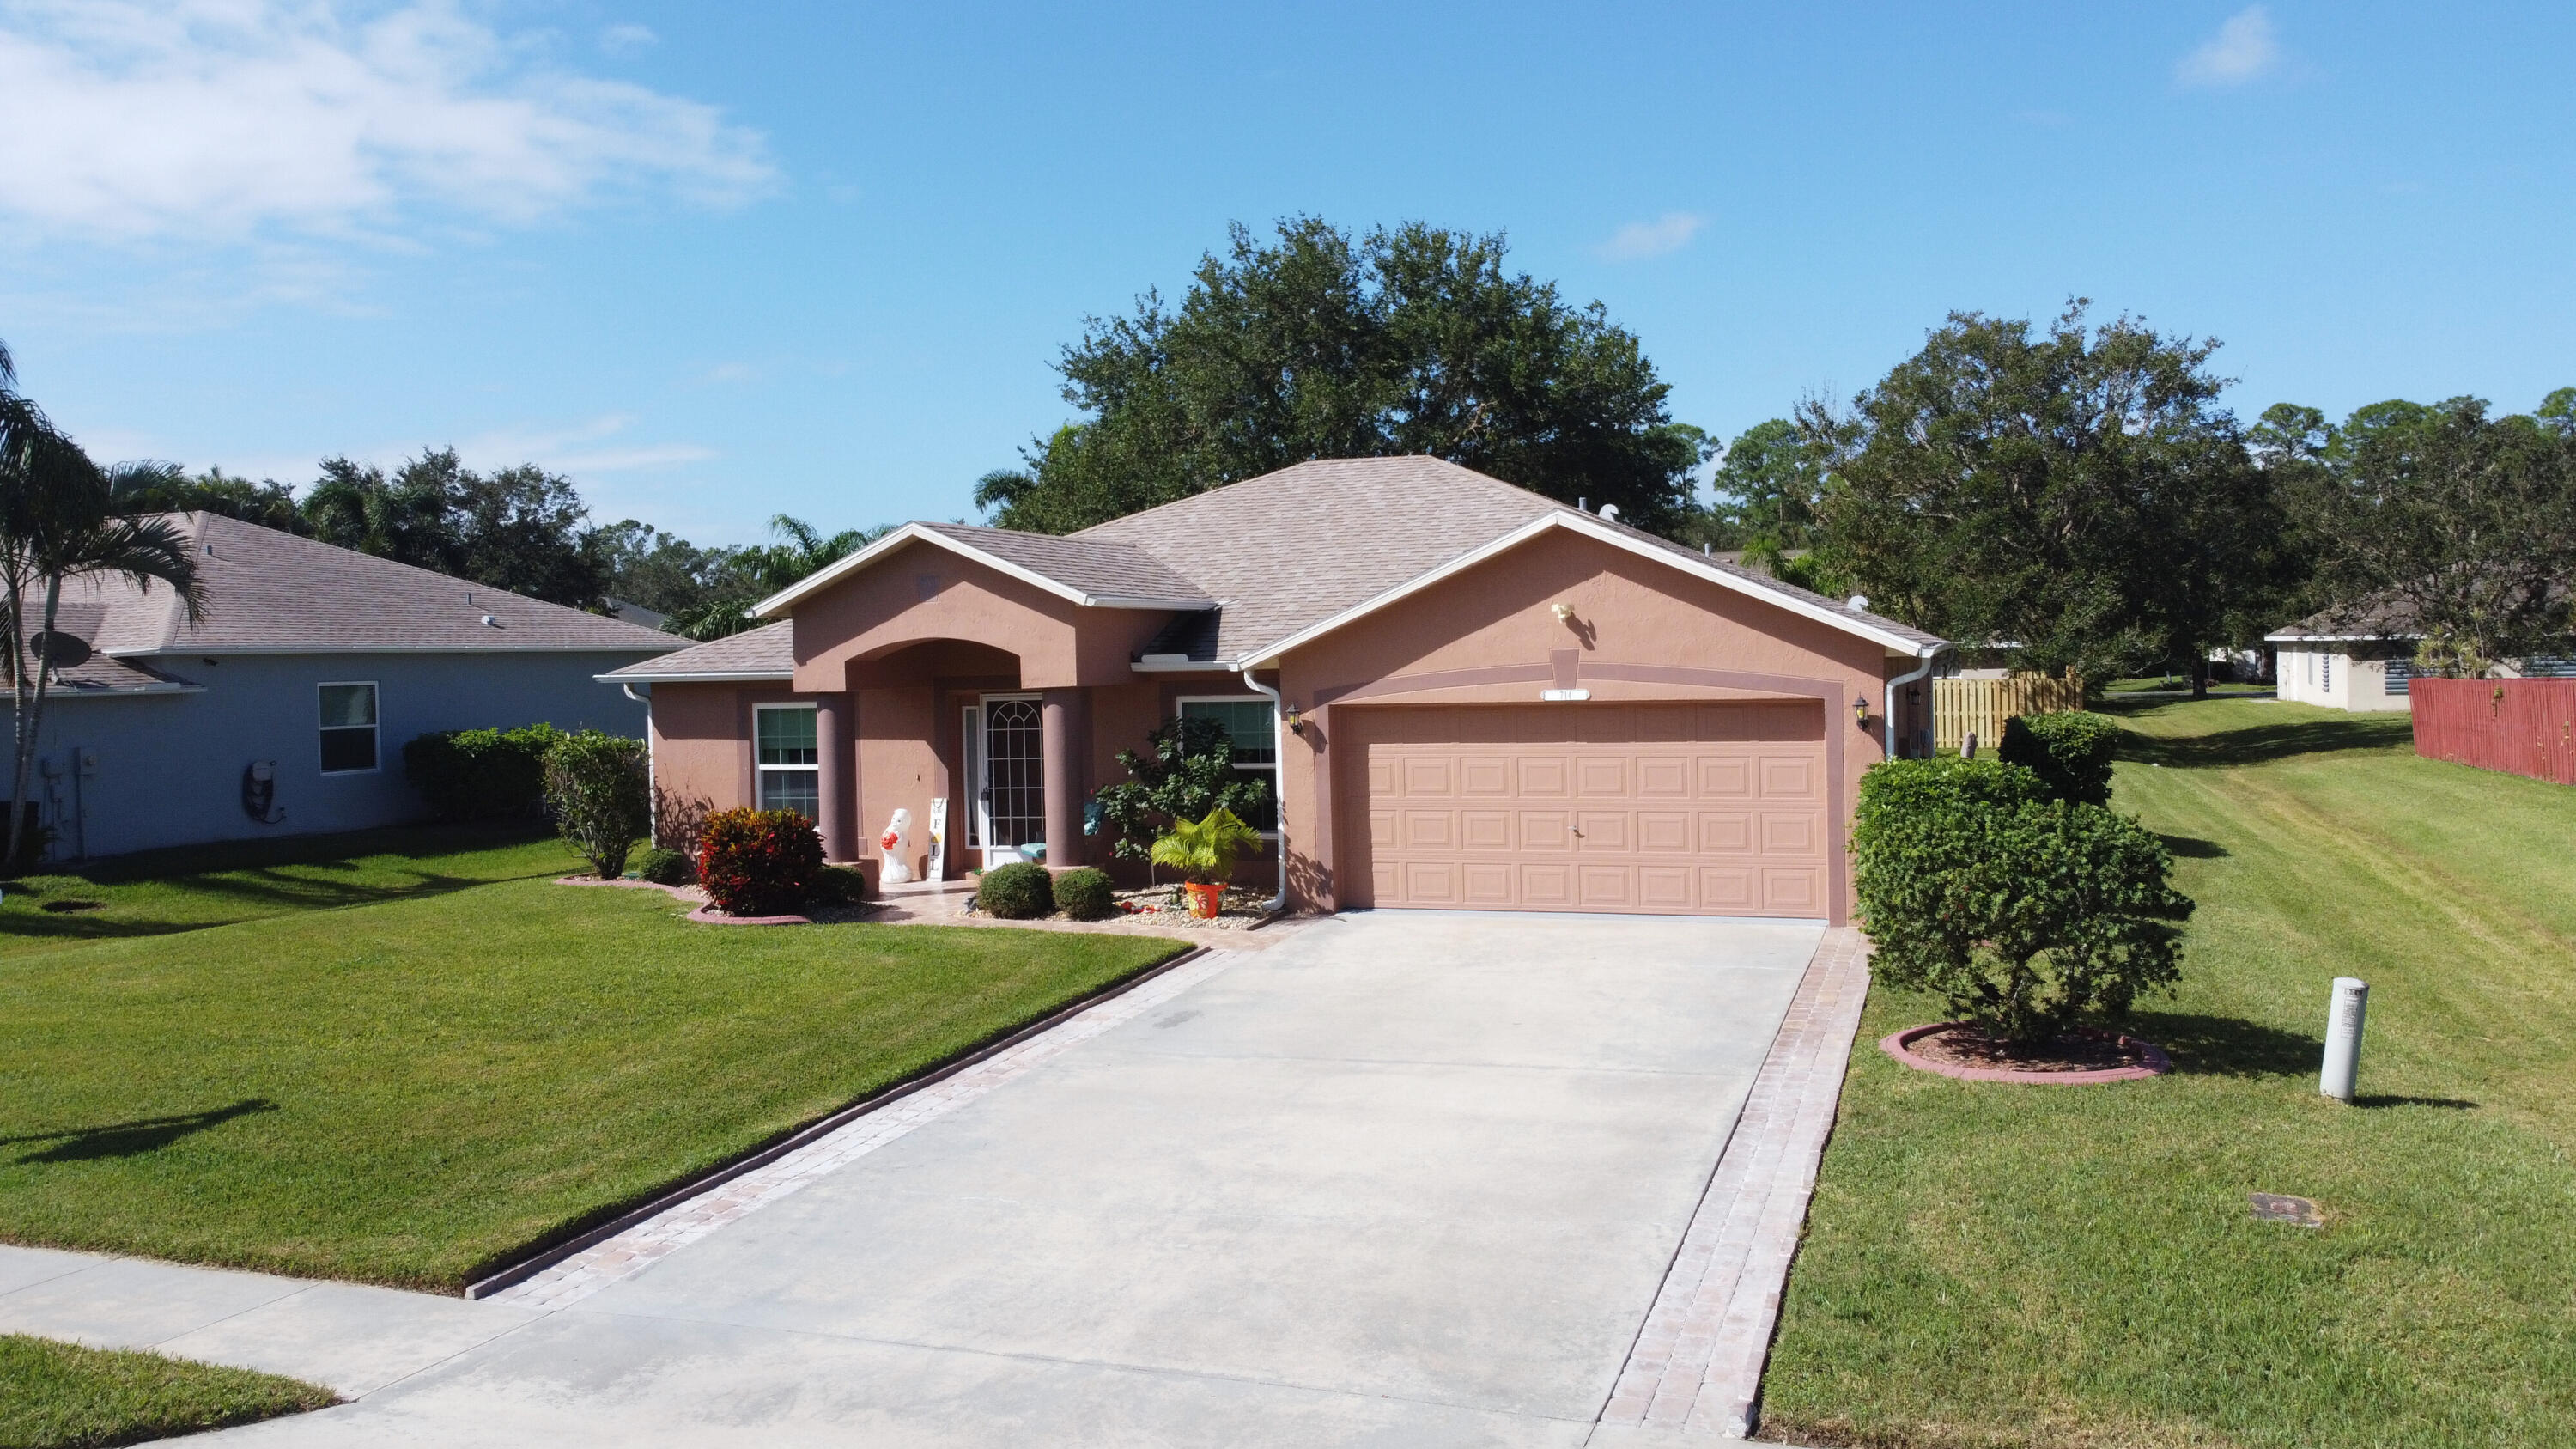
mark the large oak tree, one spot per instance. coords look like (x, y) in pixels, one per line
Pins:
(1322, 344)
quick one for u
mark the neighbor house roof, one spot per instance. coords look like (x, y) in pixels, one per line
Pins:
(1259, 566)
(267, 592)
(2385, 617)
(765, 653)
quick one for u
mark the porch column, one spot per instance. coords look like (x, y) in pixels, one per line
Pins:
(832, 775)
(1056, 728)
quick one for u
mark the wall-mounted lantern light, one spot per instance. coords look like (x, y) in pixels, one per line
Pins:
(1860, 711)
(1295, 719)
(1564, 612)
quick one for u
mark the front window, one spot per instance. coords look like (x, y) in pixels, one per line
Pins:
(348, 728)
(1250, 724)
(790, 760)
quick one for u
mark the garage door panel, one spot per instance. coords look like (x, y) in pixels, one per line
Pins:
(1664, 832)
(1708, 808)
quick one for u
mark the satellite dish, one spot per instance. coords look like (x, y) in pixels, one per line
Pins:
(61, 650)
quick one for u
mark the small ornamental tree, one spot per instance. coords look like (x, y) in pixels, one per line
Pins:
(1204, 851)
(759, 862)
(2070, 752)
(601, 794)
(2024, 913)
(1185, 770)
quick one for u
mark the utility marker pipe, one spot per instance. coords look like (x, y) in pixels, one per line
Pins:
(2343, 1037)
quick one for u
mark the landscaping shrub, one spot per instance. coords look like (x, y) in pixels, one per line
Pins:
(2070, 752)
(481, 774)
(1020, 891)
(662, 867)
(2023, 913)
(759, 862)
(599, 788)
(839, 885)
(1085, 895)
(1185, 770)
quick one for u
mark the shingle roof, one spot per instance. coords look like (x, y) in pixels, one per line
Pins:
(271, 592)
(1099, 567)
(2385, 617)
(1289, 550)
(768, 652)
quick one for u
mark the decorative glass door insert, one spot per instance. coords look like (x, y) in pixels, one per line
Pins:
(1014, 794)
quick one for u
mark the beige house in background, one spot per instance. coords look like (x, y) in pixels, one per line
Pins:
(1465, 695)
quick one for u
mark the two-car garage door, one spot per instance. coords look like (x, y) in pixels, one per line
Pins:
(1702, 809)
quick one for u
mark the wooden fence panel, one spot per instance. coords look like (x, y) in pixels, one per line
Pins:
(2519, 726)
(1961, 707)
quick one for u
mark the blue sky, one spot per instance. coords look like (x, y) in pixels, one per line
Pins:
(719, 262)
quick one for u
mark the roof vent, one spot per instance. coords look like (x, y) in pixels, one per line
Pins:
(1858, 604)
(491, 623)
(1610, 511)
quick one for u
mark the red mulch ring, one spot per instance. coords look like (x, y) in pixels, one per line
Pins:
(2081, 1057)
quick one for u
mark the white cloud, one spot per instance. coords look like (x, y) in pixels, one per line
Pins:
(221, 119)
(1641, 239)
(627, 39)
(580, 449)
(2245, 49)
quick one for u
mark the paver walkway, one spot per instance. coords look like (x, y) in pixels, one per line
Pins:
(1403, 1178)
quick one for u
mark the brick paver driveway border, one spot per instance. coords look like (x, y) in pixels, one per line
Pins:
(1696, 1368)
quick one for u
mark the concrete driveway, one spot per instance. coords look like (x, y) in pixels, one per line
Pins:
(1404, 1179)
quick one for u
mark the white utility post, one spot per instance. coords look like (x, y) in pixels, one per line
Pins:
(2343, 1037)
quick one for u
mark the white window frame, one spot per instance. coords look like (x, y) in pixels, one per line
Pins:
(375, 706)
(1278, 800)
(758, 795)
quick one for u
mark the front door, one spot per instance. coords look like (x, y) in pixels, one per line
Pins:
(1011, 798)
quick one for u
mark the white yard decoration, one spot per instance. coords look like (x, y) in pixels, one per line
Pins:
(939, 837)
(895, 850)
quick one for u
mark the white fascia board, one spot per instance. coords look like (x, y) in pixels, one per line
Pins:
(1188, 666)
(1583, 524)
(192, 651)
(2337, 638)
(719, 676)
(824, 578)
(58, 694)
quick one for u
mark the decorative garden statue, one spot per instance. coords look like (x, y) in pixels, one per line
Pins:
(895, 846)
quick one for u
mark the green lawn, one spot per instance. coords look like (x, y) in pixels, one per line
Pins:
(1997, 1265)
(161, 891)
(58, 1396)
(408, 1091)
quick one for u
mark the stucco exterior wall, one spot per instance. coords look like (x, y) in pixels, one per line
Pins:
(170, 767)
(923, 592)
(1640, 630)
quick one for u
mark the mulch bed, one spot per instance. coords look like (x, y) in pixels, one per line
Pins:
(2080, 1057)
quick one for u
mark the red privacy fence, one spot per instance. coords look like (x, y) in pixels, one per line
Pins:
(2521, 726)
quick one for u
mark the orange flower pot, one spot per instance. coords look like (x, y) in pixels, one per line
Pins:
(1205, 900)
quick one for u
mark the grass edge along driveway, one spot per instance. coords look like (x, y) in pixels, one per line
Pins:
(63, 1396)
(1990, 1265)
(413, 1092)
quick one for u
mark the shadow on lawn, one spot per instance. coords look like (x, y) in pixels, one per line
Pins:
(2193, 849)
(2223, 1046)
(133, 1139)
(2255, 744)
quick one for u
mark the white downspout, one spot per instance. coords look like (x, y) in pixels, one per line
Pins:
(1279, 752)
(1900, 681)
(652, 785)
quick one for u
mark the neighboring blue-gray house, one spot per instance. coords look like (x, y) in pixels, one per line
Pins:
(284, 709)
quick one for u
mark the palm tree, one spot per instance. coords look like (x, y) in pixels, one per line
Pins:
(57, 524)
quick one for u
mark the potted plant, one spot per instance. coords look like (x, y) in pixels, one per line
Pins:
(1204, 852)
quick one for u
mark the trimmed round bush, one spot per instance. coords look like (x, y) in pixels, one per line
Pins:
(759, 862)
(2023, 913)
(662, 867)
(839, 885)
(1020, 891)
(1085, 895)
(2070, 752)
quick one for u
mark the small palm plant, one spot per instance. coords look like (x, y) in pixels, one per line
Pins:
(1204, 852)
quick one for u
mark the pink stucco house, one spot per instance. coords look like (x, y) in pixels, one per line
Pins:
(1467, 695)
